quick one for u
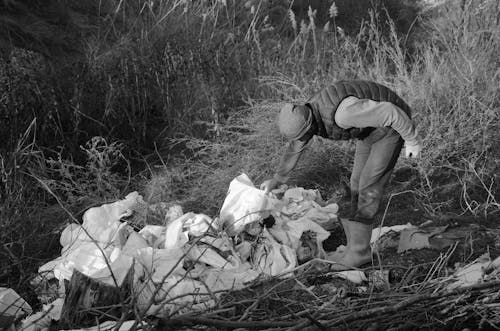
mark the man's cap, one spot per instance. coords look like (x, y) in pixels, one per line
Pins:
(294, 120)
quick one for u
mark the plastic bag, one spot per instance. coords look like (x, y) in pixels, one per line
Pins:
(102, 223)
(160, 264)
(234, 279)
(154, 235)
(175, 236)
(207, 255)
(308, 204)
(11, 304)
(272, 258)
(245, 204)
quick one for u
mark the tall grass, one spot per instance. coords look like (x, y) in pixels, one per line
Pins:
(449, 78)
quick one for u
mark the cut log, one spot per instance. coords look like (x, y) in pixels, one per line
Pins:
(89, 301)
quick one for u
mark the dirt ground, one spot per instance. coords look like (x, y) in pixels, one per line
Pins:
(473, 236)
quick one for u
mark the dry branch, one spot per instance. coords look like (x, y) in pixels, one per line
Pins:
(254, 325)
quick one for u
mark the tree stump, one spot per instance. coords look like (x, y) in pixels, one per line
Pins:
(89, 301)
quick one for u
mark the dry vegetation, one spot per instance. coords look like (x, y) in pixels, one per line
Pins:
(175, 98)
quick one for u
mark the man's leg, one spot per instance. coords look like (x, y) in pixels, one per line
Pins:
(374, 176)
(360, 156)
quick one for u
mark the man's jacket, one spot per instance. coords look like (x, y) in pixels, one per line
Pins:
(325, 104)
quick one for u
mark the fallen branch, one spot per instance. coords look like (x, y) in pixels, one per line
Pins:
(352, 316)
(254, 325)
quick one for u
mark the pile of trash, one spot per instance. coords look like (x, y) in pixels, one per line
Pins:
(188, 262)
(185, 264)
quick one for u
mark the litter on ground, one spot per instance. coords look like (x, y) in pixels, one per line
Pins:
(186, 264)
(192, 258)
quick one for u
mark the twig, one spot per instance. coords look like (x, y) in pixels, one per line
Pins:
(229, 324)
(409, 302)
(438, 266)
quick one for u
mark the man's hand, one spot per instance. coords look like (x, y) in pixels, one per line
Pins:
(413, 151)
(269, 185)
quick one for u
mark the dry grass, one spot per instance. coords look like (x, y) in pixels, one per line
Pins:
(450, 81)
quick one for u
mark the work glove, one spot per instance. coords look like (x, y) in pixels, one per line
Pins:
(413, 151)
(269, 185)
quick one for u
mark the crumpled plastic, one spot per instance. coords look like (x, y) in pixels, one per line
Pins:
(272, 258)
(161, 263)
(354, 276)
(294, 234)
(11, 304)
(117, 271)
(217, 280)
(108, 326)
(475, 272)
(245, 204)
(209, 256)
(102, 223)
(96, 243)
(300, 203)
(378, 232)
(178, 266)
(42, 320)
(154, 235)
(417, 238)
(174, 234)
(84, 255)
(289, 232)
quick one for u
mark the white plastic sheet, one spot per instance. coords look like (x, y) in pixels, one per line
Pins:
(117, 271)
(42, 320)
(154, 235)
(160, 264)
(96, 243)
(290, 232)
(354, 276)
(272, 258)
(108, 326)
(85, 256)
(245, 204)
(217, 280)
(11, 304)
(378, 232)
(308, 204)
(475, 272)
(178, 265)
(102, 223)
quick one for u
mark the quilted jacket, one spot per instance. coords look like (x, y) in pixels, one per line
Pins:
(325, 103)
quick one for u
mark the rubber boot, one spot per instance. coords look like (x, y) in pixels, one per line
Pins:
(358, 251)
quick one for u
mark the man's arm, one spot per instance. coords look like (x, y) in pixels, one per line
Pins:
(361, 113)
(289, 159)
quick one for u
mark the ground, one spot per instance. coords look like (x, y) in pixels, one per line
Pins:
(476, 235)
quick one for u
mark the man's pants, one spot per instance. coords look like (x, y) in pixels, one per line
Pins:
(374, 160)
